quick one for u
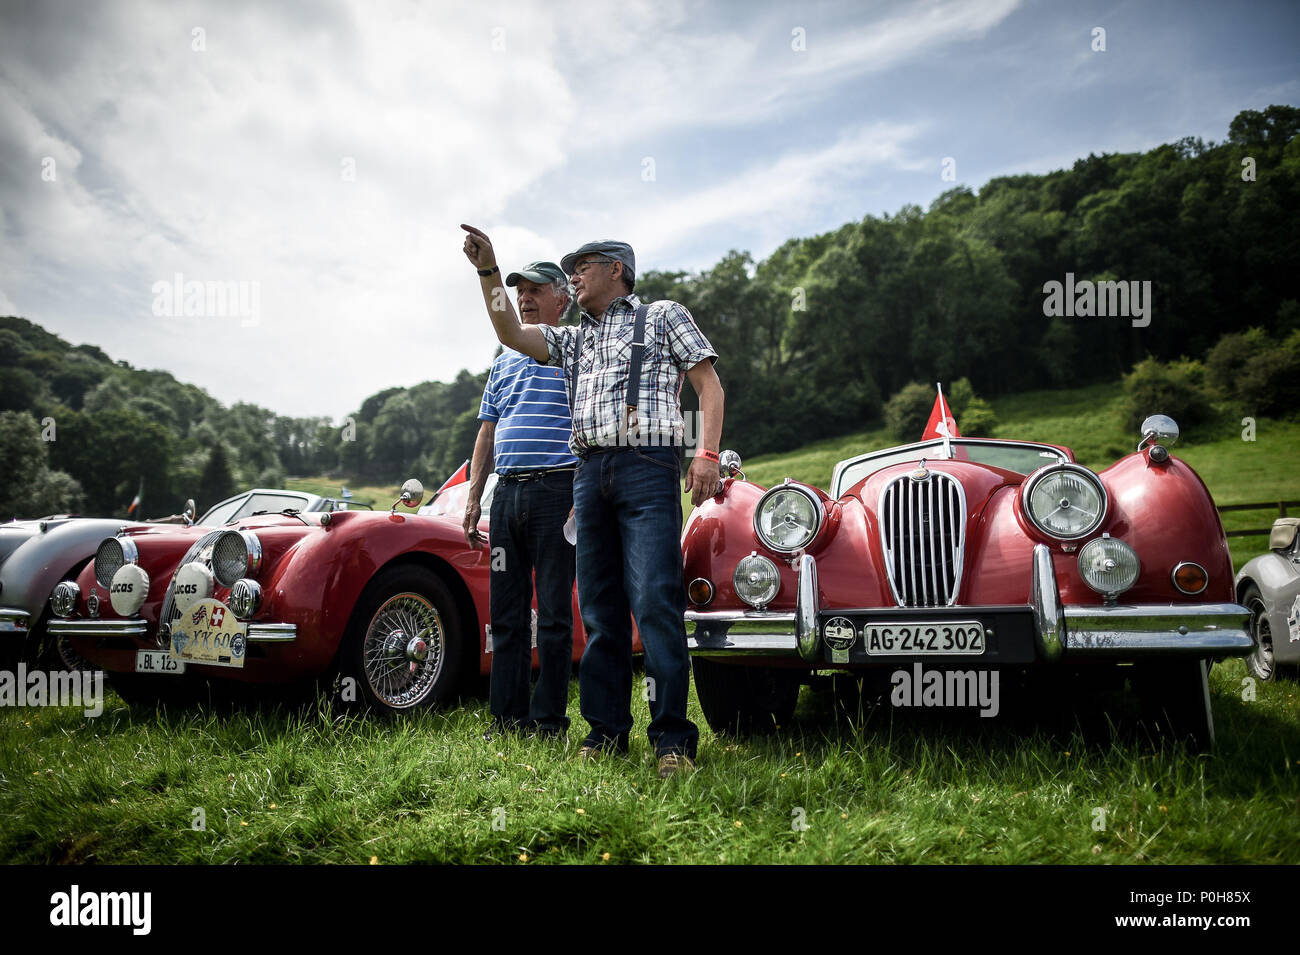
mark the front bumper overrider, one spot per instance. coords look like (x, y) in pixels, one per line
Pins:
(1059, 632)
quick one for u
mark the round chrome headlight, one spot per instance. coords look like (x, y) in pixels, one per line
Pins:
(112, 555)
(64, 599)
(756, 581)
(245, 598)
(788, 517)
(1065, 501)
(1109, 566)
(236, 554)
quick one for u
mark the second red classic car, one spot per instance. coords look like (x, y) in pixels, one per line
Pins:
(394, 604)
(960, 554)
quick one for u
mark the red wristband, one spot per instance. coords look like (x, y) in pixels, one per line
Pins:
(707, 455)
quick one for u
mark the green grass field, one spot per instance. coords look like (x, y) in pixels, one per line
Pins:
(277, 783)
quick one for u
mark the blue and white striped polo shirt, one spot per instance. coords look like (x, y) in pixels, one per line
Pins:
(530, 405)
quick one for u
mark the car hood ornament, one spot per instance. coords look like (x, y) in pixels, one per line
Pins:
(920, 474)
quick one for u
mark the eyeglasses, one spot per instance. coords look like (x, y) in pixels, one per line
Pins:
(582, 269)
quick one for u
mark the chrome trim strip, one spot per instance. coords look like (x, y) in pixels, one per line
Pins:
(272, 632)
(13, 620)
(737, 616)
(782, 644)
(98, 628)
(1199, 630)
(1048, 615)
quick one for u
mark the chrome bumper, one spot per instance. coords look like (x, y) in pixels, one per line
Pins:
(766, 632)
(135, 629)
(139, 629)
(13, 620)
(1202, 631)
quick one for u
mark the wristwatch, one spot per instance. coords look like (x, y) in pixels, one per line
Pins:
(495, 268)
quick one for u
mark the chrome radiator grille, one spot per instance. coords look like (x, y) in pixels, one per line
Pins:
(923, 529)
(169, 614)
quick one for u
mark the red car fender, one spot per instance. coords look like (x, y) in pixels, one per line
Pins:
(317, 583)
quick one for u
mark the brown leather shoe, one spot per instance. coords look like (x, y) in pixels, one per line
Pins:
(588, 753)
(672, 763)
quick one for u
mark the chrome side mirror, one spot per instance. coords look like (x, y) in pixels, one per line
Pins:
(1158, 429)
(412, 495)
(188, 512)
(729, 465)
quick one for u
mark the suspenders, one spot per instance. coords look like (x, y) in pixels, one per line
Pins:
(633, 374)
(634, 370)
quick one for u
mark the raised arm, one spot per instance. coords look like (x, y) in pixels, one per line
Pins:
(510, 331)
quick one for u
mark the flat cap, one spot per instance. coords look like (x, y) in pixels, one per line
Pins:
(619, 251)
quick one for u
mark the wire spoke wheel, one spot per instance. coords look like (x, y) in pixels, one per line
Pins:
(392, 667)
(1260, 662)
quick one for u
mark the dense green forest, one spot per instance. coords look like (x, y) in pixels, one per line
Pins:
(813, 340)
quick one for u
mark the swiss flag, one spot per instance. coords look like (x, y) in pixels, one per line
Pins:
(218, 615)
(460, 477)
(941, 424)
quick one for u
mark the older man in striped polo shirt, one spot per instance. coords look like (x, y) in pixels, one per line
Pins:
(525, 438)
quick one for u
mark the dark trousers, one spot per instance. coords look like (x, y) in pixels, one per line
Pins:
(629, 512)
(526, 537)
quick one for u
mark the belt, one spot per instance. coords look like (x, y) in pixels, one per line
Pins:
(612, 448)
(534, 475)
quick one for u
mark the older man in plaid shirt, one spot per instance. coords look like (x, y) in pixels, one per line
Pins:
(626, 494)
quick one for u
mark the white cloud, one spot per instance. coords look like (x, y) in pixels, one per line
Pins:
(884, 44)
(225, 165)
(781, 195)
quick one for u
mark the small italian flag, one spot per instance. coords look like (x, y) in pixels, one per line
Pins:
(135, 501)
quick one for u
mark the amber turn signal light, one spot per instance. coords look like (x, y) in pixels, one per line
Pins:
(700, 591)
(1190, 578)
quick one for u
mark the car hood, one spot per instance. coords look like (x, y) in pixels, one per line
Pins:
(978, 482)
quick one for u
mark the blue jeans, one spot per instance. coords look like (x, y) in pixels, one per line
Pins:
(526, 537)
(628, 507)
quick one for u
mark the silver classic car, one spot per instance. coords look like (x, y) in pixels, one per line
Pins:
(1269, 587)
(37, 554)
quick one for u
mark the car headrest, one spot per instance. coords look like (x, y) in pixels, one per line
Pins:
(1283, 533)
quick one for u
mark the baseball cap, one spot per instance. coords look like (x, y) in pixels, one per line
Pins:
(543, 273)
(619, 251)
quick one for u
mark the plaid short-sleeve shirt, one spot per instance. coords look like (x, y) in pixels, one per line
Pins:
(602, 349)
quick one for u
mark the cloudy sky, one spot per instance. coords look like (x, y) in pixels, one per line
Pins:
(324, 153)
